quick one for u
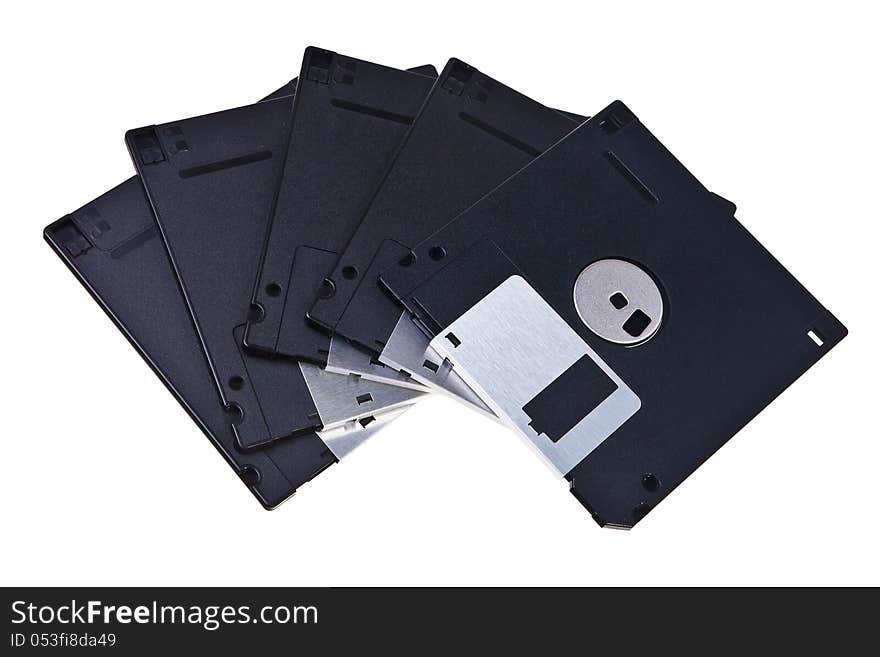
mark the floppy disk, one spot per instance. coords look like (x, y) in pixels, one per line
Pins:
(349, 116)
(614, 313)
(113, 247)
(210, 181)
(471, 134)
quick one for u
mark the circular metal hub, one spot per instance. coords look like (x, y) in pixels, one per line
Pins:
(618, 301)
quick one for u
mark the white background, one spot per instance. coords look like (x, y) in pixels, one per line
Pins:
(774, 107)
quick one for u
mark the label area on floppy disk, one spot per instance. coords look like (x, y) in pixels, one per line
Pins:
(471, 134)
(572, 255)
(349, 116)
(210, 181)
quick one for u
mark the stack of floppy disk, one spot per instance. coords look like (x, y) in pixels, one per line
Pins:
(300, 271)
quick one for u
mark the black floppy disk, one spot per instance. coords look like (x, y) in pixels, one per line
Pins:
(349, 116)
(211, 181)
(614, 313)
(113, 247)
(471, 134)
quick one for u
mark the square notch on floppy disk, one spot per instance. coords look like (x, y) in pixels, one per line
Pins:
(537, 373)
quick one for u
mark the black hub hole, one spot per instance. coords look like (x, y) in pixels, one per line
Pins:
(408, 260)
(236, 382)
(349, 272)
(437, 253)
(618, 300)
(273, 289)
(637, 323)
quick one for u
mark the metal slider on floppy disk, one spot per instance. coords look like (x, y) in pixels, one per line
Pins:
(345, 359)
(409, 349)
(344, 438)
(347, 404)
(519, 356)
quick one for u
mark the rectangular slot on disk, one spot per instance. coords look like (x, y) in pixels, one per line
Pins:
(571, 397)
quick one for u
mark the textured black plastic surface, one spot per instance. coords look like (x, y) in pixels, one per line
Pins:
(348, 120)
(471, 134)
(736, 323)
